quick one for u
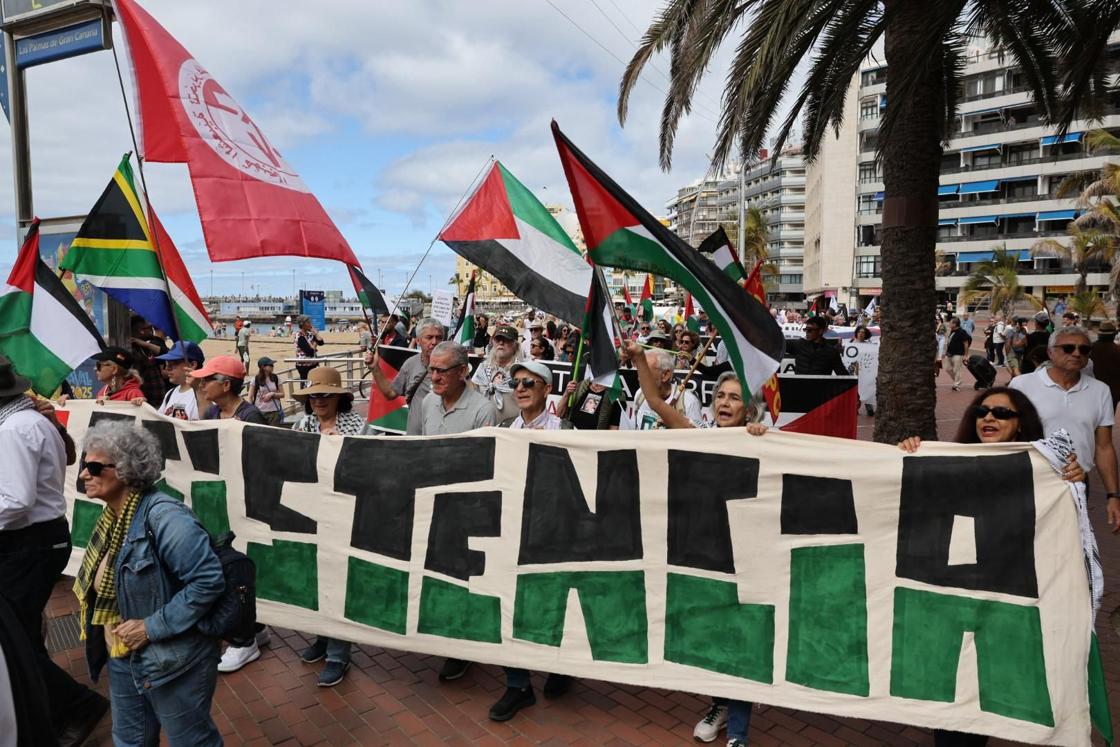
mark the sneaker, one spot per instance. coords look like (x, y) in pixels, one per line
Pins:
(556, 685)
(453, 669)
(736, 743)
(236, 657)
(870, 410)
(712, 724)
(513, 701)
(315, 652)
(264, 637)
(333, 673)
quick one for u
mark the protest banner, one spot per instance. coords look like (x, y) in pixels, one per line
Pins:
(443, 305)
(865, 584)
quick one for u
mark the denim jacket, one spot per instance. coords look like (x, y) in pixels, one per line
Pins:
(169, 586)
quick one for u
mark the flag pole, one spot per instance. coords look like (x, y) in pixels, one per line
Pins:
(446, 223)
(695, 364)
(144, 187)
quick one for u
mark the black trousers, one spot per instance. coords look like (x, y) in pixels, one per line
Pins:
(31, 562)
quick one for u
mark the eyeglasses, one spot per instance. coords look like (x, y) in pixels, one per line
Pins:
(523, 382)
(998, 412)
(96, 468)
(433, 370)
(1069, 348)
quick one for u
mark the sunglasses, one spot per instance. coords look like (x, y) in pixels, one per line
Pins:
(433, 370)
(523, 383)
(96, 468)
(320, 395)
(998, 412)
(1069, 348)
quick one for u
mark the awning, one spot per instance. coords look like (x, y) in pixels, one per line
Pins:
(979, 219)
(1016, 215)
(947, 222)
(1032, 178)
(971, 188)
(878, 196)
(988, 255)
(948, 189)
(1057, 215)
(978, 148)
(1069, 137)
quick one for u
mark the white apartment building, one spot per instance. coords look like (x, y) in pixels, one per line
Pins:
(1000, 171)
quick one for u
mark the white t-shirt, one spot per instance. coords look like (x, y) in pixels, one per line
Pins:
(176, 399)
(1080, 410)
(997, 336)
(646, 419)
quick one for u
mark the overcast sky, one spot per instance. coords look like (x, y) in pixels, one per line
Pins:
(387, 111)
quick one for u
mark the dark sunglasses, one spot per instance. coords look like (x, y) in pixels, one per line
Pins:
(998, 412)
(524, 382)
(1070, 347)
(443, 371)
(96, 468)
(320, 395)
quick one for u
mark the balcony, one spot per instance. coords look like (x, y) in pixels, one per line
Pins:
(1103, 152)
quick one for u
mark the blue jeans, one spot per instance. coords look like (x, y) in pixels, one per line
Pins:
(518, 678)
(738, 717)
(337, 651)
(180, 706)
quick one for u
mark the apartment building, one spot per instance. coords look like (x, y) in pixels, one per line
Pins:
(999, 175)
(777, 188)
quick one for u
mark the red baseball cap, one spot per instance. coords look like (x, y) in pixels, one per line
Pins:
(226, 365)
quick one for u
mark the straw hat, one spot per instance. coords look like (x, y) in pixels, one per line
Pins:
(322, 380)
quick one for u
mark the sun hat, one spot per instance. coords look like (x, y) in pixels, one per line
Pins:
(322, 380)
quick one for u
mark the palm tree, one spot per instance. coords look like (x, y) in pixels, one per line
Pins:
(997, 280)
(1088, 303)
(1058, 44)
(1084, 249)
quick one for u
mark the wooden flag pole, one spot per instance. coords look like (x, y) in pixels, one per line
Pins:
(695, 365)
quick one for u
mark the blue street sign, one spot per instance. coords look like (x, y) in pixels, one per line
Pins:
(88, 36)
(4, 79)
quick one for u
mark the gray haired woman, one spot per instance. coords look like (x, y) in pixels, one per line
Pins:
(147, 578)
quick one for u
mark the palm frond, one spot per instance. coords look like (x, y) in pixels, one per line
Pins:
(1050, 248)
(1081, 42)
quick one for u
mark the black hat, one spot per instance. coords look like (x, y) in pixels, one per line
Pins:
(506, 331)
(120, 356)
(11, 383)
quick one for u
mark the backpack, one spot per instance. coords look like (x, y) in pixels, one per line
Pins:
(233, 615)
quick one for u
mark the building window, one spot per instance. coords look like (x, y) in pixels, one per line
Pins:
(873, 77)
(869, 172)
(869, 108)
(867, 267)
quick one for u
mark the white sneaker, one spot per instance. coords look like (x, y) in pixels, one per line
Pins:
(236, 657)
(710, 726)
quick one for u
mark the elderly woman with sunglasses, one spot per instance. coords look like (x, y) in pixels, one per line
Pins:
(148, 576)
(999, 415)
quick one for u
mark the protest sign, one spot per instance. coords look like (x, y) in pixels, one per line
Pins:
(442, 306)
(822, 574)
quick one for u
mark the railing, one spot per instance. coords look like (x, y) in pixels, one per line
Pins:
(1032, 160)
(350, 363)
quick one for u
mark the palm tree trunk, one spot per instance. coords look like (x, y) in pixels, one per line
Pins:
(911, 164)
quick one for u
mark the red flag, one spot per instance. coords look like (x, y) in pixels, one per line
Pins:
(251, 202)
(689, 309)
(626, 294)
(753, 284)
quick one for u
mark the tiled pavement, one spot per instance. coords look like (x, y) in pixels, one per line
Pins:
(393, 698)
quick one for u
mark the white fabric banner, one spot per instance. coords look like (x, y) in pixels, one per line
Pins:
(943, 589)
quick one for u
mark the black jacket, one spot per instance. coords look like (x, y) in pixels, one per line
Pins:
(820, 358)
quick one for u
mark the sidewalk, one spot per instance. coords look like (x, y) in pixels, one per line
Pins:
(393, 698)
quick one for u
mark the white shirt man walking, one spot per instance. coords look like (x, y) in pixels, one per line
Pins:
(1082, 405)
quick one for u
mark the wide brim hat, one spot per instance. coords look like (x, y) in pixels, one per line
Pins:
(11, 383)
(322, 380)
(1107, 328)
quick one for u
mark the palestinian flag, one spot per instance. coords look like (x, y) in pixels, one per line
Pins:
(690, 319)
(646, 301)
(600, 339)
(389, 414)
(719, 250)
(626, 297)
(506, 231)
(135, 262)
(464, 334)
(620, 233)
(368, 294)
(43, 330)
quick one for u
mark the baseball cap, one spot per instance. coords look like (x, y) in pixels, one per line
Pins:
(657, 335)
(226, 365)
(265, 361)
(183, 351)
(506, 331)
(120, 356)
(533, 367)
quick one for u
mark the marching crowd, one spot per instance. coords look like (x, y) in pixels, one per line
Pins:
(150, 575)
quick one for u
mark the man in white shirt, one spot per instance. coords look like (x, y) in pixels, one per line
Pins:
(687, 403)
(35, 542)
(181, 400)
(1082, 405)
